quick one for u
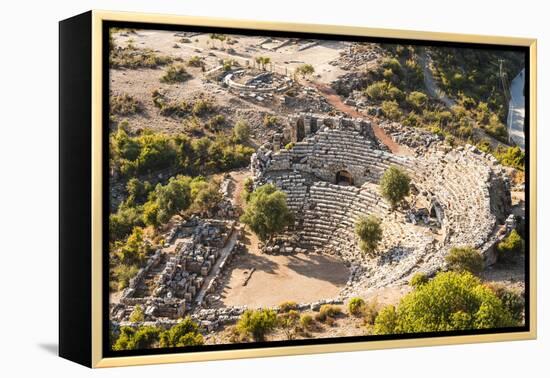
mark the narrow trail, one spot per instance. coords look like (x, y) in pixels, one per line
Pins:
(430, 83)
(335, 100)
(214, 272)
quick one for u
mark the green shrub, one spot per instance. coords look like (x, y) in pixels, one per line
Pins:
(391, 110)
(131, 57)
(356, 306)
(270, 120)
(418, 279)
(450, 301)
(327, 312)
(306, 321)
(395, 185)
(120, 276)
(288, 321)
(257, 323)
(175, 74)
(511, 156)
(512, 245)
(136, 338)
(287, 306)
(215, 122)
(289, 146)
(369, 231)
(134, 250)
(241, 131)
(185, 333)
(370, 312)
(513, 302)
(305, 69)
(195, 61)
(201, 107)
(123, 222)
(137, 314)
(124, 105)
(464, 259)
(417, 99)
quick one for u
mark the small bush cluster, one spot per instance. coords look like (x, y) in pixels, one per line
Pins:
(185, 333)
(270, 120)
(327, 313)
(195, 61)
(132, 57)
(124, 105)
(355, 306)
(257, 323)
(175, 74)
(511, 246)
(464, 259)
(418, 279)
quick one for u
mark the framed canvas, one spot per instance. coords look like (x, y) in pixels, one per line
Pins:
(235, 189)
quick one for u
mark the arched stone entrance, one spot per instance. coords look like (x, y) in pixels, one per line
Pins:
(343, 177)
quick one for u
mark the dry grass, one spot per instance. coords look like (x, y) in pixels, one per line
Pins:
(124, 105)
(132, 57)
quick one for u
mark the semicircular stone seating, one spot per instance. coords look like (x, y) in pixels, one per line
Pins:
(326, 213)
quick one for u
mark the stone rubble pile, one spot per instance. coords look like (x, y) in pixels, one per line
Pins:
(168, 284)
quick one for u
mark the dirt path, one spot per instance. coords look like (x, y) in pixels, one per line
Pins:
(224, 254)
(430, 84)
(335, 100)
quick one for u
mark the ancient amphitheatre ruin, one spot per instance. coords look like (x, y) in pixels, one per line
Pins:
(327, 154)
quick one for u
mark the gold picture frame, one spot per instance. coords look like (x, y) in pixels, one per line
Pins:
(97, 359)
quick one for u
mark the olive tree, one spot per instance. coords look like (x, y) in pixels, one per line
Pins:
(369, 232)
(395, 185)
(266, 212)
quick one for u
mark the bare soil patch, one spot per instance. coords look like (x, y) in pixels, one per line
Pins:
(278, 278)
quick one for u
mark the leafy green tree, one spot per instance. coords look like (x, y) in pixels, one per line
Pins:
(464, 259)
(450, 301)
(170, 199)
(369, 231)
(136, 338)
(266, 212)
(185, 333)
(395, 185)
(257, 323)
(241, 131)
